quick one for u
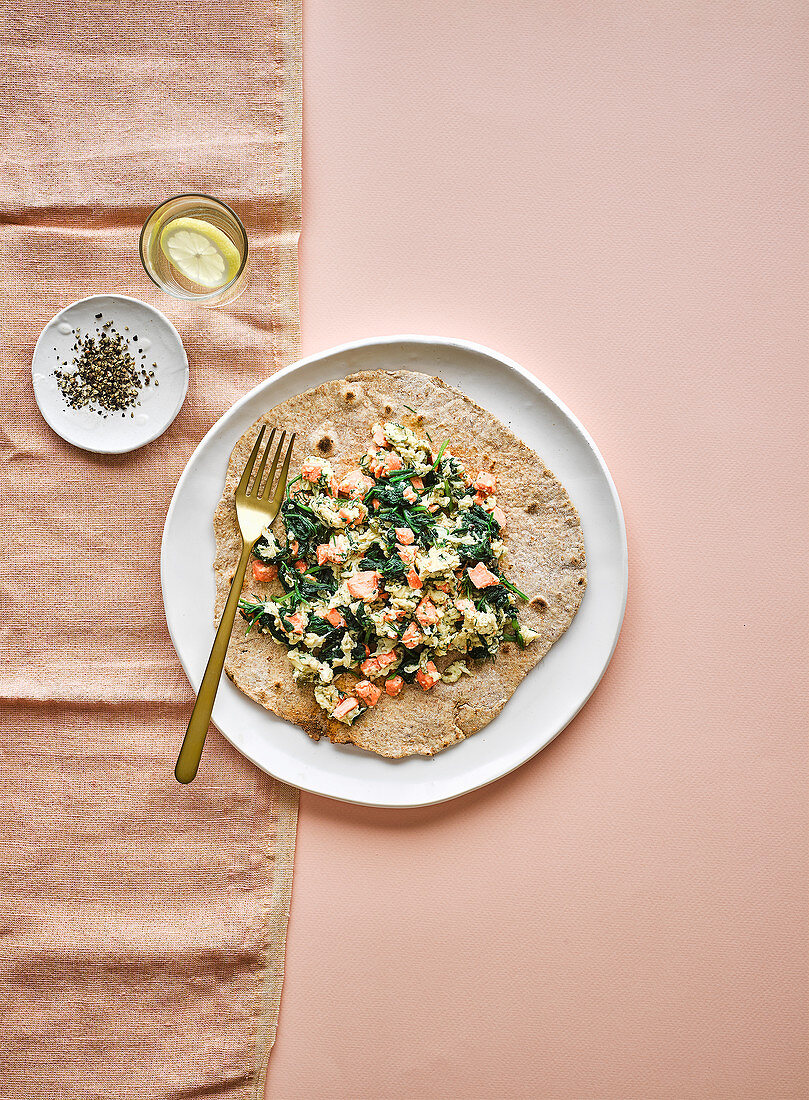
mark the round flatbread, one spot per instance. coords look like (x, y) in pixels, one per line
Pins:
(544, 557)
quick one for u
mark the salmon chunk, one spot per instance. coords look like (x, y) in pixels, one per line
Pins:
(370, 667)
(481, 577)
(393, 616)
(345, 707)
(356, 484)
(428, 676)
(384, 463)
(427, 612)
(312, 468)
(364, 585)
(324, 554)
(485, 483)
(262, 572)
(368, 692)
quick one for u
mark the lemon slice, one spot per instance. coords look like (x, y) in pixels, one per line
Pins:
(201, 252)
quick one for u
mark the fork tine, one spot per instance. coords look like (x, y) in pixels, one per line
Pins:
(268, 487)
(282, 478)
(261, 465)
(245, 478)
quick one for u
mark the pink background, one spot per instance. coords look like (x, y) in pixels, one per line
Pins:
(614, 194)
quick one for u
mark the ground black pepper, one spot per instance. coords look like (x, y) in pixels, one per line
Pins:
(103, 376)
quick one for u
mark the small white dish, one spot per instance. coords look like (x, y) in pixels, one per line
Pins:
(549, 696)
(158, 404)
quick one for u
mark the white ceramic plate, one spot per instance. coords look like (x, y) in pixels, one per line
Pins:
(159, 405)
(549, 696)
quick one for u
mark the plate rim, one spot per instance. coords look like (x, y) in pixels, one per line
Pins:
(181, 401)
(441, 341)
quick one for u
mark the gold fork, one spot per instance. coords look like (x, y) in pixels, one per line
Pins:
(255, 508)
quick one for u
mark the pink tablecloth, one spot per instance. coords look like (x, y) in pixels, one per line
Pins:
(614, 194)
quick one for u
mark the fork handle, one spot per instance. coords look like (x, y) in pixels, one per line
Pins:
(191, 750)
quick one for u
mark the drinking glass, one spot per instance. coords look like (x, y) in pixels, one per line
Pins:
(195, 247)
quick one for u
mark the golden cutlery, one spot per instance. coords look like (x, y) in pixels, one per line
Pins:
(255, 509)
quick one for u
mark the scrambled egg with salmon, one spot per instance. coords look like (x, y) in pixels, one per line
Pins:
(384, 570)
